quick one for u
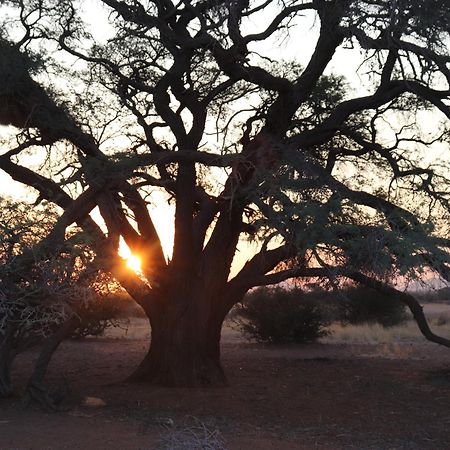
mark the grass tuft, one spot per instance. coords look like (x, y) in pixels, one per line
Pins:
(193, 434)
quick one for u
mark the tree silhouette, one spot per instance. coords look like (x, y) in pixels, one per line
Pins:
(180, 98)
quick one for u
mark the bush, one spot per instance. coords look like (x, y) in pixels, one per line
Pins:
(359, 305)
(97, 316)
(281, 316)
(441, 295)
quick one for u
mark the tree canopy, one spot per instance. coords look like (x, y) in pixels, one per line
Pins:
(186, 98)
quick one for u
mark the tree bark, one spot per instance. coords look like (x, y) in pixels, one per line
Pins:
(185, 343)
(36, 391)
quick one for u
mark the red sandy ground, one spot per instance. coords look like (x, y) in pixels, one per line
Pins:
(324, 396)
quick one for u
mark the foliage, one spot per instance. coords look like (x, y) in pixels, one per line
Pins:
(39, 290)
(281, 316)
(32, 293)
(103, 312)
(359, 305)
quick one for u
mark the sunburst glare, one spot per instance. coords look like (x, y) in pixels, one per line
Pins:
(132, 260)
(134, 263)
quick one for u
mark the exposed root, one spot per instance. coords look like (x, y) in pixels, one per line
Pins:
(50, 401)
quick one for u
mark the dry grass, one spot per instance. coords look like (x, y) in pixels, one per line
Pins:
(373, 334)
(438, 316)
(193, 434)
(376, 334)
(399, 342)
(391, 341)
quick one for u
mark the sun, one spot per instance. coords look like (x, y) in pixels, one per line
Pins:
(134, 263)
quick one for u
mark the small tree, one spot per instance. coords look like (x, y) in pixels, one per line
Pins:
(44, 296)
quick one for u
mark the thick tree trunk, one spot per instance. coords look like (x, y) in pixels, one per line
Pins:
(184, 347)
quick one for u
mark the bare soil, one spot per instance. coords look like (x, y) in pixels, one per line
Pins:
(320, 396)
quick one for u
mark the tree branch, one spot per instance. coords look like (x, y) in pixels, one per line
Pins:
(404, 297)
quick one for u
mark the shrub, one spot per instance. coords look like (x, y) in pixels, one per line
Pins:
(441, 295)
(98, 315)
(281, 316)
(359, 305)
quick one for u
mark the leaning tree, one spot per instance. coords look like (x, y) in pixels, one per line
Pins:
(105, 107)
(47, 293)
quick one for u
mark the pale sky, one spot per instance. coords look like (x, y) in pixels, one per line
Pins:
(299, 45)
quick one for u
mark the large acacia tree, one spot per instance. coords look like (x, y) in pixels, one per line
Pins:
(182, 98)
